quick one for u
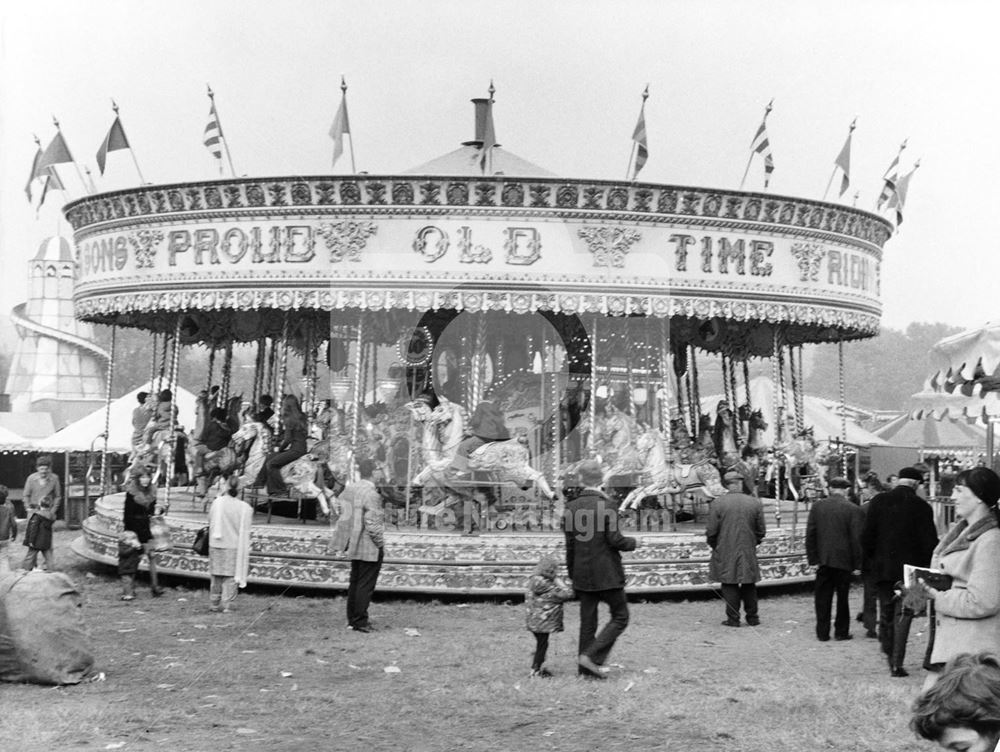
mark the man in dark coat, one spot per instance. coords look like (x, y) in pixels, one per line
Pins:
(833, 545)
(735, 529)
(899, 529)
(594, 563)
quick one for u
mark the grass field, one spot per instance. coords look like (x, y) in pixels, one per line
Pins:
(283, 673)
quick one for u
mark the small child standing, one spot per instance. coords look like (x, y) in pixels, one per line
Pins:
(8, 529)
(129, 553)
(544, 601)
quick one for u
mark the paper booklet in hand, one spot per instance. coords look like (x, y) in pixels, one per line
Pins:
(932, 577)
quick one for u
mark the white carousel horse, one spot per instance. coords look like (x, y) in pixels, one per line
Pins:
(614, 438)
(303, 474)
(163, 449)
(803, 460)
(683, 474)
(509, 460)
(252, 442)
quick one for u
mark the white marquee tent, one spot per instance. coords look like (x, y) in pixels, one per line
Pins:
(82, 434)
(822, 414)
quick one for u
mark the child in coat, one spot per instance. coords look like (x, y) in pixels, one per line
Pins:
(544, 601)
(129, 553)
(8, 529)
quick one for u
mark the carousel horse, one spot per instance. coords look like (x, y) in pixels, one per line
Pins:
(802, 460)
(509, 460)
(756, 425)
(308, 476)
(443, 428)
(706, 438)
(163, 449)
(615, 442)
(724, 430)
(690, 471)
(252, 444)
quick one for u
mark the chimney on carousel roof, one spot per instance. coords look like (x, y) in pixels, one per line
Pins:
(482, 113)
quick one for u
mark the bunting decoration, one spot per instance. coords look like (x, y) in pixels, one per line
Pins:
(639, 141)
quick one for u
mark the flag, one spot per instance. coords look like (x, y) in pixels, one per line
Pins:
(639, 138)
(55, 153)
(113, 141)
(889, 180)
(489, 137)
(843, 161)
(898, 200)
(213, 134)
(34, 170)
(52, 181)
(762, 145)
(341, 125)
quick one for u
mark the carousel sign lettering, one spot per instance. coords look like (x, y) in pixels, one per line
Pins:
(723, 255)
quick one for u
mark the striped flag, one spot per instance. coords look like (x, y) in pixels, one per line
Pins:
(843, 160)
(639, 138)
(762, 145)
(898, 200)
(341, 124)
(213, 133)
(890, 179)
(112, 142)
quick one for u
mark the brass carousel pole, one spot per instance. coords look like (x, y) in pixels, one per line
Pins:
(778, 382)
(593, 388)
(175, 346)
(358, 393)
(281, 370)
(843, 405)
(109, 376)
(227, 375)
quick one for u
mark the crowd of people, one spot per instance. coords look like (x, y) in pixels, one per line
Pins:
(886, 534)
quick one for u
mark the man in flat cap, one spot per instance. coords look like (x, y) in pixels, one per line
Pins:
(594, 563)
(899, 529)
(833, 546)
(735, 529)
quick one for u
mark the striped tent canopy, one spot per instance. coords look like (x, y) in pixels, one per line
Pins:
(930, 434)
(965, 377)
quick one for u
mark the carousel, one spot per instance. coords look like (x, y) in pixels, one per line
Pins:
(476, 336)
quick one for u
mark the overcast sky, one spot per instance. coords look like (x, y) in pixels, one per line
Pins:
(569, 78)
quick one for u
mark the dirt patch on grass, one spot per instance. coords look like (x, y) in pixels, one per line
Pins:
(284, 673)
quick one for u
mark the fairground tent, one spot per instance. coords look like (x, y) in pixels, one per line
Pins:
(933, 435)
(965, 379)
(10, 440)
(822, 414)
(83, 434)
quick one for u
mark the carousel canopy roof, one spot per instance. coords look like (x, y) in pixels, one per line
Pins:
(932, 434)
(821, 414)
(466, 161)
(965, 380)
(81, 435)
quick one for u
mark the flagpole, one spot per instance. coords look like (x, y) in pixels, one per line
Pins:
(830, 182)
(343, 94)
(225, 141)
(79, 174)
(90, 179)
(142, 180)
(489, 156)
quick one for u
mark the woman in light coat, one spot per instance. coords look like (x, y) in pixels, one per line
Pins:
(229, 521)
(967, 615)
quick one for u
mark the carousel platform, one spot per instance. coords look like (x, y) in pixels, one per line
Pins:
(295, 552)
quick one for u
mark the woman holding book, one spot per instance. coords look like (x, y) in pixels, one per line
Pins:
(967, 614)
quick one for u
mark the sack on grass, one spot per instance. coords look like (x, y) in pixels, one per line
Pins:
(160, 531)
(42, 636)
(200, 545)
